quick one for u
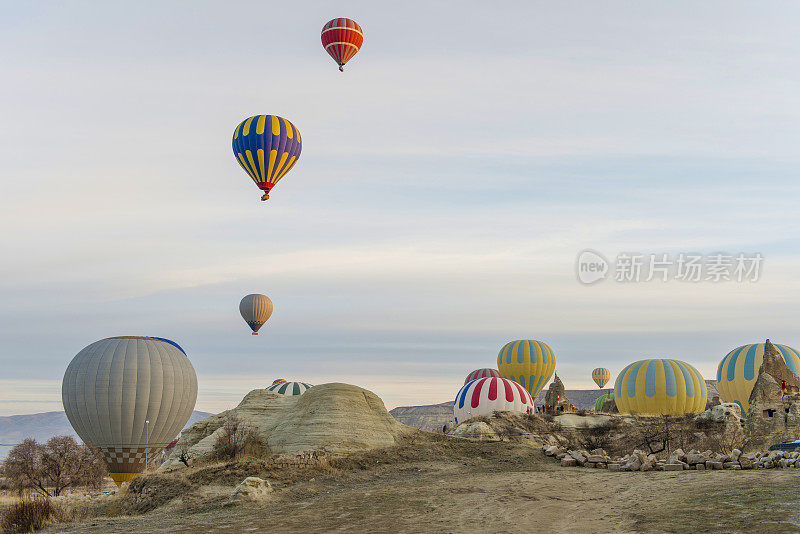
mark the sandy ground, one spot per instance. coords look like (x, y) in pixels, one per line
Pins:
(502, 488)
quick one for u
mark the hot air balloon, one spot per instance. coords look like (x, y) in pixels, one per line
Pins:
(129, 396)
(278, 381)
(737, 372)
(486, 395)
(255, 309)
(481, 373)
(289, 388)
(660, 387)
(267, 147)
(528, 362)
(601, 376)
(342, 38)
(598, 405)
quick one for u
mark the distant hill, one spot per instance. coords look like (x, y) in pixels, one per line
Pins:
(432, 417)
(43, 426)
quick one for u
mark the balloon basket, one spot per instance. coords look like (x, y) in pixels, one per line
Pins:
(254, 333)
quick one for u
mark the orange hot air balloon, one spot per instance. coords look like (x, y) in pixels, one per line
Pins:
(342, 38)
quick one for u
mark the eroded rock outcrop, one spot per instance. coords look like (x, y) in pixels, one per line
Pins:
(338, 418)
(556, 399)
(774, 412)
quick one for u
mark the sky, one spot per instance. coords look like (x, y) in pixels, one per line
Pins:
(448, 181)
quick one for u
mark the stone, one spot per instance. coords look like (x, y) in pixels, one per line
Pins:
(595, 458)
(696, 458)
(736, 454)
(568, 461)
(251, 489)
(673, 467)
(729, 465)
(614, 466)
(578, 456)
(677, 455)
(633, 464)
(716, 465)
(745, 462)
(700, 467)
(551, 450)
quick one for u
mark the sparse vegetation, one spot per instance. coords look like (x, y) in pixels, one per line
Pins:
(50, 468)
(236, 438)
(29, 515)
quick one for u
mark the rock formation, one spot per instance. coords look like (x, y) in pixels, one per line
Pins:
(556, 399)
(774, 411)
(338, 418)
(431, 418)
(252, 489)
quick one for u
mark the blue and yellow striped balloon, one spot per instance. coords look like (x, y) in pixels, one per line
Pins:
(737, 372)
(267, 147)
(660, 387)
(601, 376)
(528, 362)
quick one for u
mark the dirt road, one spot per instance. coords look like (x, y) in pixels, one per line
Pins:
(500, 488)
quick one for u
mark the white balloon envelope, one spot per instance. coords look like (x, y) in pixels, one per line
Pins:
(130, 396)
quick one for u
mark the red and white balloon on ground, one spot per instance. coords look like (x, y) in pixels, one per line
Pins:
(492, 394)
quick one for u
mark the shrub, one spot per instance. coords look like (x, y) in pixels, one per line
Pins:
(236, 438)
(29, 515)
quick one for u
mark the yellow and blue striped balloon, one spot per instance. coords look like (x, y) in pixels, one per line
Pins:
(267, 147)
(660, 387)
(528, 362)
(737, 372)
(601, 376)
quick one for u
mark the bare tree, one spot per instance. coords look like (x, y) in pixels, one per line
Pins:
(52, 467)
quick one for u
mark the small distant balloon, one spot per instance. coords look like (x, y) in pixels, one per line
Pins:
(278, 381)
(601, 376)
(342, 38)
(255, 309)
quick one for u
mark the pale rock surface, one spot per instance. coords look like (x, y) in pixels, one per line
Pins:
(251, 489)
(476, 430)
(339, 418)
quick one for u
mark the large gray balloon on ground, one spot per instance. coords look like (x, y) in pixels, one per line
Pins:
(130, 396)
(255, 309)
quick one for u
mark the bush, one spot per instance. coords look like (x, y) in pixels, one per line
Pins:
(237, 438)
(29, 515)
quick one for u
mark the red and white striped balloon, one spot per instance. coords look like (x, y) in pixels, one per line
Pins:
(486, 395)
(482, 373)
(342, 38)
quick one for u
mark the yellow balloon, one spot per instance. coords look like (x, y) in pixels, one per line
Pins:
(660, 387)
(528, 362)
(601, 376)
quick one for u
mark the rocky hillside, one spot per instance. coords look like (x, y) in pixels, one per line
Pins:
(433, 416)
(430, 418)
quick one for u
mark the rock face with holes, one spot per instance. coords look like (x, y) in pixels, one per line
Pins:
(337, 418)
(774, 413)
